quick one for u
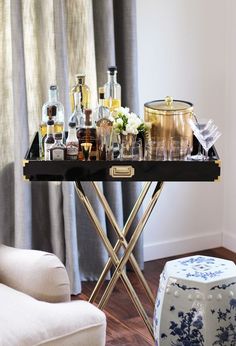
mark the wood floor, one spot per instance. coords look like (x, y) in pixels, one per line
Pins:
(124, 326)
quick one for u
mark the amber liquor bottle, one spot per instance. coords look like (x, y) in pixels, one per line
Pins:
(87, 134)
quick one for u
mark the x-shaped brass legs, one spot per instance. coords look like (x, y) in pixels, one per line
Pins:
(119, 264)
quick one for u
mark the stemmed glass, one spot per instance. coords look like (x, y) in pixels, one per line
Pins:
(208, 141)
(207, 134)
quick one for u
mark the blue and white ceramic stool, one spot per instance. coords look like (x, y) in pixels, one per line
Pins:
(196, 303)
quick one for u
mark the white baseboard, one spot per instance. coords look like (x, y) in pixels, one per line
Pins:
(182, 245)
(229, 241)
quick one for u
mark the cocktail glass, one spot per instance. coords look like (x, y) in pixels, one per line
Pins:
(207, 142)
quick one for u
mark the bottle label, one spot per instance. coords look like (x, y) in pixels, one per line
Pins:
(47, 147)
(57, 154)
(72, 151)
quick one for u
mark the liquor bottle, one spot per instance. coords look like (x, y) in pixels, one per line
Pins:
(87, 134)
(103, 129)
(49, 139)
(102, 111)
(112, 90)
(53, 109)
(84, 90)
(51, 115)
(58, 149)
(77, 116)
(72, 144)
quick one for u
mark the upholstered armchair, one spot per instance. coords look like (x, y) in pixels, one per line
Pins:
(35, 306)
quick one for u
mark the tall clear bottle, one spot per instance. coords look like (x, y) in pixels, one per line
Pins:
(102, 111)
(54, 104)
(112, 90)
(77, 116)
(103, 129)
(84, 90)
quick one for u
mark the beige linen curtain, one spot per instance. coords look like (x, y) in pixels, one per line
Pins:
(46, 42)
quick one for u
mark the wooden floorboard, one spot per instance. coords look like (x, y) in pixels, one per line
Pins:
(124, 326)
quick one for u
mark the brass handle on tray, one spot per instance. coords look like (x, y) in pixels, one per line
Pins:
(121, 171)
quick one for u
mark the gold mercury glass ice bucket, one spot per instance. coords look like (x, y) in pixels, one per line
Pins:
(169, 118)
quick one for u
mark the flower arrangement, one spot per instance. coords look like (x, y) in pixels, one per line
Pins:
(126, 122)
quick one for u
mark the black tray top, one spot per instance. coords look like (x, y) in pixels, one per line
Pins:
(35, 169)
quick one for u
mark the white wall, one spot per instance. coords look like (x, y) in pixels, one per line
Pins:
(182, 53)
(229, 225)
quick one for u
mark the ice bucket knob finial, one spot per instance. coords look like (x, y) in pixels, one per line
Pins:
(169, 100)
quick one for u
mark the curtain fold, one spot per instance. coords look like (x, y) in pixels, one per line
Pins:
(126, 51)
(22, 195)
(43, 43)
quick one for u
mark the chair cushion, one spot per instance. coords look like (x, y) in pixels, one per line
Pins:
(20, 270)
(26, 321)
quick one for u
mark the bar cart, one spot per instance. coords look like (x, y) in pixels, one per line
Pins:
(154, 173)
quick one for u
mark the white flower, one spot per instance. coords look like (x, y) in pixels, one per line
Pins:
(111, 118)
(123, 110)
(119, 121)
(126, 122)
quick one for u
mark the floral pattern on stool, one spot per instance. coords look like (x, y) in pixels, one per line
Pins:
(196, 303)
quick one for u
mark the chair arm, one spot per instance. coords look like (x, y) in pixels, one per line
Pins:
(37, 273)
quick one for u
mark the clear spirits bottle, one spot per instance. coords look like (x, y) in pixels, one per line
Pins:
(58, 149)
(102, 111)
(112, 90)
(53, 103)
(72, 144)
(49, 139)
(84, 90)
(87, 134)
(77, 116)
(103, 129)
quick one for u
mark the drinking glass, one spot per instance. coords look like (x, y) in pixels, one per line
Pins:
(203, 128)
(179, 149)
(104, 139)
(131, 152)
(115, 151)
(137, 151)
(155, 150)
(150, 151)
(208, 142)
(86, 150)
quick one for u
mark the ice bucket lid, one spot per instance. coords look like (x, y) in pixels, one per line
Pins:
(168, 106)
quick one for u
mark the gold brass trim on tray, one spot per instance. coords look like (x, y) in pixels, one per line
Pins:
(25, 178)
(24, 162)
(218, 163)
(121, 171)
